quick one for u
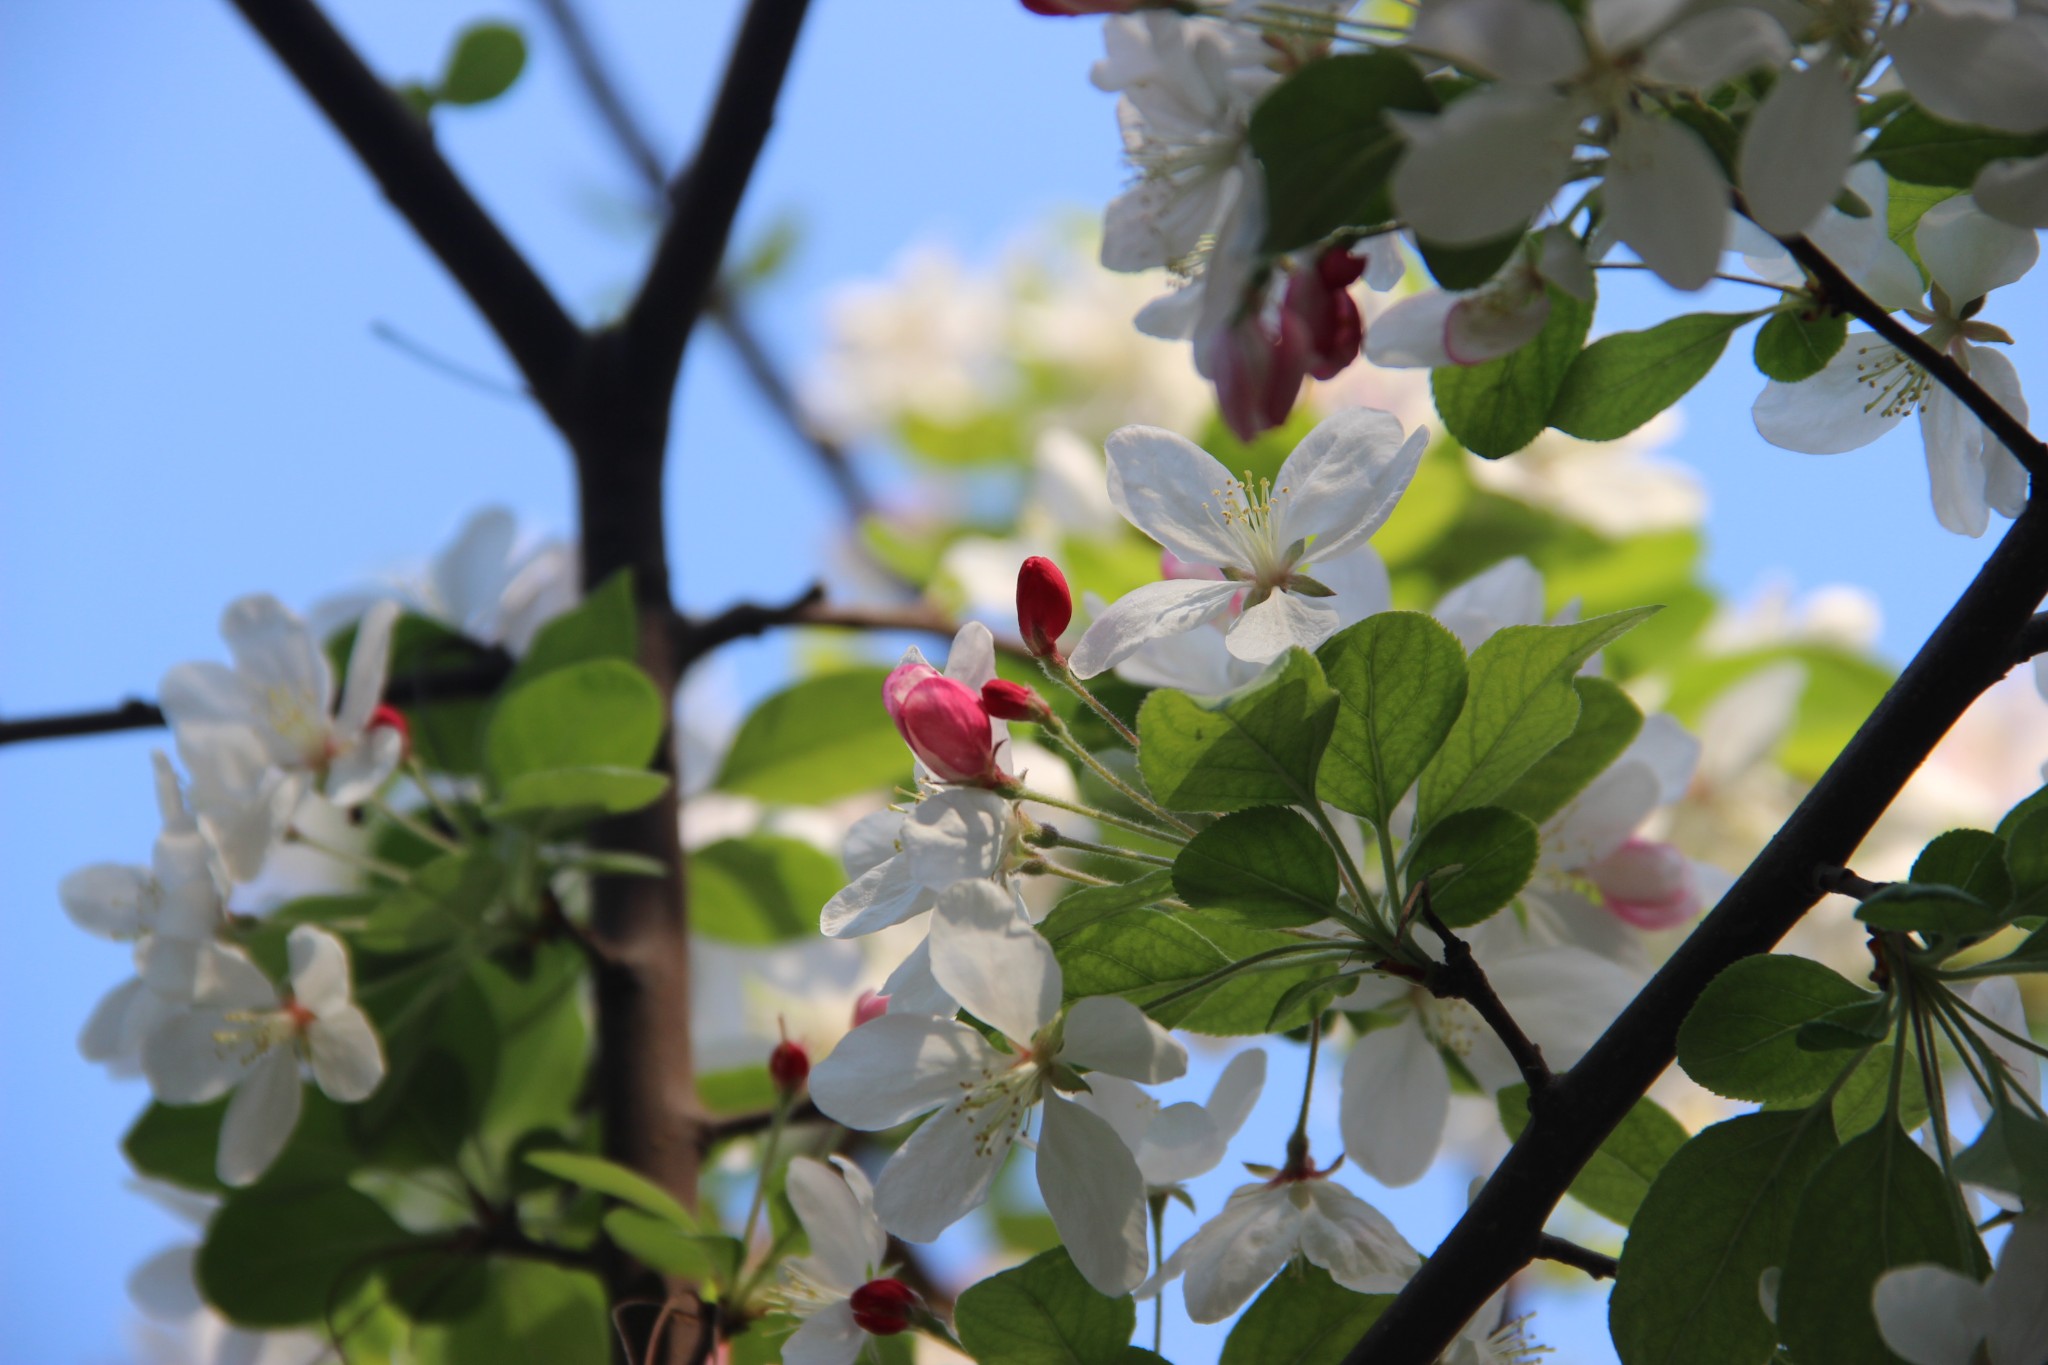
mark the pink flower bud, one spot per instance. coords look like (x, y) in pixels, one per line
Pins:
(945, 726)
(906, 675)
(789, 1066)
(871, 1006)
(1045, 607)
(1006, 700)
(1647, 884)
(390, 717)
(1320, 298)
(1257, 369)
(883, 1308)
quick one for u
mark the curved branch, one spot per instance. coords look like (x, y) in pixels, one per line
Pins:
(1844, 293)
(697, 636)
(1502, 1230)
(1594, 1263)
(2033, 641)
(397, 147)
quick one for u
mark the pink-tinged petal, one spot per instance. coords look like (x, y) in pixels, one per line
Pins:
(1092, 1189)
(1647, 884)
(1973, 70)
(906, 675)
(1667, 199)
(944, 1170)
(846, 1239)
(1954, 441)
(1170, 488)
(829, 1336)
(260, 1118)
(1410, 334)
(1929, 1314)
(369, 663)
(986, 955)
(274, 651)
(1842, 408)
(348, 1061)
(1280, 623)
(2014, 189)
(1109, 1033)
(1969, 253)
(1707, 49)
(1354, 1241)
(1797, 148)
(1484, 166)
(1397, 1097)
(1152, 612)
(1257, 364)
(111, 900)
(892, 1069)
(2019, 1310)
(1341, 483)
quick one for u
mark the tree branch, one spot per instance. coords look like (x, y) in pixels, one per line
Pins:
(706, 197)
(1846, 883)
(1461, 978)
(697, 636)
(605, 94)
(1549, 1248)
(1502, 1229)
(397, 147)
(2033, 639)
(1842, 292)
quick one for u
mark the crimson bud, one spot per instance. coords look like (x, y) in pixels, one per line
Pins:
(392, 718)
(789, 1066)
(883, 1308)
(1006, 700)
(1045, 607)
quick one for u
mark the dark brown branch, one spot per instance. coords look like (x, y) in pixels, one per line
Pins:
(2033, 641)
(604, 92)
(397, 147)
(1549, 1248)
(1844, 882)
(706, 197)
(1502, 1229)
(1841, 292)
(697, 636)
(1461, 978)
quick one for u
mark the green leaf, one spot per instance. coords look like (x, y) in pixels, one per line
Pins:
(1092, 903)
(1327, 148)
(566, 794)
(1489, 854)
(1043, 1313)
(817, 741)
(531, 1313)
(283, 1258)
(1915, 908)
(1618, 1177)
(486, 61)
(1972, 861)
(1622, 381)
(760, 889)
(1468, 267)
(662, 1245)
(1400, 683)
(1921, 149)
(1799, 343)
(1146, 954)
(445, 900)
(1259, 746)
(2010, 822)
(1865, 1097)
(1740, 1038)
(1854, 1026)
(176, 1144)
(1716, 1217)
(1499, 407)
(1904, 207)
(1303, 1318)
(601, 626)
(608, 1177)
(1879, 1202)
(1519, 706)
(2026, 858)
(447, 735)
(600, 714)
(1265, 866)
(1608, 723)
(2011, 1155)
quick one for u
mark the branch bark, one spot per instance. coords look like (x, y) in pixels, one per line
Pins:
(1461, 978)
(1502, 1230)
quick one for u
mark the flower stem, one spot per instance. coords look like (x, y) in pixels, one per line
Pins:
(1063, 674)
(1297, 1142)
(391, 872)
(1346, 869)
(1020, 792)
(417, 828)
(1050, 868)
(1064, 737)
(1048, 837)
(767, 1164)
(417, 771)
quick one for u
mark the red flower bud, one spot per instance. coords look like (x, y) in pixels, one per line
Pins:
(883, 1308)
(392, 718)
(945, 726)
(1006, 700)
(870, 1006)
(789, 1066)
(1045, 607)
(1320, 298)
(1257, 369)
(897, 685)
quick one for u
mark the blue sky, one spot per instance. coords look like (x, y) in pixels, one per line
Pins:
(193, 405)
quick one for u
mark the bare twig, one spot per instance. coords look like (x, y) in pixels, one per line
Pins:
(1461, 978)
(605, 94)
(698, 636)
(1550, 1248)
(1844, 882)
(2033, 638)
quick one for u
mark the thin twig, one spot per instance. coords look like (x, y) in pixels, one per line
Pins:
(698, 636)
(2033, 639)
(1842, 881)
(605, 94)
(1461, 978)
(1552, 1248)
(714, 1131)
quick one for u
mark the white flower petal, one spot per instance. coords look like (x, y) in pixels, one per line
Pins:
(887, 893)
(1342, 482)
(846, 1239)
(1397, 1097)
(260, 1118)
(1998, 998)
(1359, 578)
(184, 1062)
(891, 1069)
(1718, 45)
(986, 955)
(275, 652)
(1092, 1189)
(1515, 40)
(1669, 752)
(2005, 479)
(1125, 1108)
(319, 969)
(1280, 623)
(1169, 488)
(348, 1060)
(1237, 1251)
(1929, 1314)
(114, 1031)
(871, 842)
(1973, 70)
(1667, 199)
(1508, 594)
(1493, 323)
(359, 771)
(943, 1171)
(164, 1286)
(1622, 24)
(1152, 612)
(2019, 1310)
(1109, 1033)
(1564, 998)
(1181, 1142)
(1410, 334)
(1354, 1241)
(1954, 441)
(2014, 189)
(1797, 148)
(1237, 1090)
(1837, 409)
(1746, 722)
(1969, 253)
(111, 900)
(955, 835)
(198, 693)
(912, 989)
(369, 661)
(829, 1336)
(1486, 165)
